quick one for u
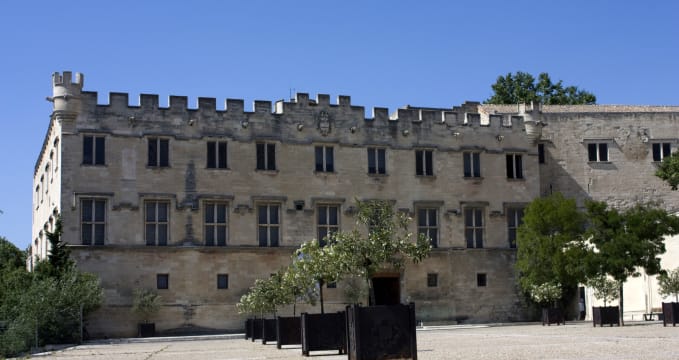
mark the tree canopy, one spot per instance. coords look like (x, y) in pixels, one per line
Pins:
(524, 88)
(549, 243)
(668, 282)
(668, 170)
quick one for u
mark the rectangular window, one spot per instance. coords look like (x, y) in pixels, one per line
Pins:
(427, 224)
(432, 280)
(266, 156)
(514, 166)
(94, 150)
(481, 280)
(92, 221)
(156, 222)
(377, 161)
(424, 163)
(268, 224)
(159, 152)
(541, 153)
(222, 281)
(472, 164)
(325, 161)
(473, 227)
(597, 152)
(328, 221)
(514, 220)
(162, 281)
(215, 224)
(216, 154)
(660, 151)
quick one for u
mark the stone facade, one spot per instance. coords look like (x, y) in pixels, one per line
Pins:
(143, 192)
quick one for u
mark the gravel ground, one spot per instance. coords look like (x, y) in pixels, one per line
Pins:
(577, 341)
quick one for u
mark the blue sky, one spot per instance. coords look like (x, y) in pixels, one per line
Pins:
(385, 54)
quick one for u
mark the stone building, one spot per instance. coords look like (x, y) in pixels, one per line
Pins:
(198, 203)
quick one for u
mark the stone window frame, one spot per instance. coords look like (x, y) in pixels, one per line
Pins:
(220, 155)
(514, 164)
(324, 159)
(161, 146)
(432, 280)
(424, 162)
(595, 149)
(268, 225)
(156, 222)
(541, 153)
(474, 242)
(222, 281)
(660, 149)
(379, 157)
(516, 212)
(481, 280)
(427, 206)
(93, 222)
(162, 281)
(94, 150)
(473, 158)
(216, 224)
(329, 228)
(265, 157)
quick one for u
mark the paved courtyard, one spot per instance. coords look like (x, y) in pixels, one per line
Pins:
(574, 341)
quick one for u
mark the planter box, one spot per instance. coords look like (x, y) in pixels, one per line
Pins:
(147, 330)
(248, 329)
(670, 313)
(552, 316)
(255, 329)
(268, 330)
(606, 315)
(381, 332)
(323, 332)
(288, 331)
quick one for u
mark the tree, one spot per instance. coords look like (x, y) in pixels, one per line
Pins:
(668, 170)
(523, 88)
(10, 256)
(549, 244)
(668, 282)
(145, 303)
(388, 243)
(604, 288)
(623, 242)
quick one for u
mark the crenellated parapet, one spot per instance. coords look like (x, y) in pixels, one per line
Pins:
(302, 119)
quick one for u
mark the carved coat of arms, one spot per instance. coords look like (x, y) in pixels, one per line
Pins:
(324, 123)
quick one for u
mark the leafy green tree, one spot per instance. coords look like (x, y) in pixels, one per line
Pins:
(668, 282)
(549, 244)
(145, 303)
(523, 88)
(604, 288)
(546, 294)
(10, 256)
(388, 243)
(623, 242)
(668, 170)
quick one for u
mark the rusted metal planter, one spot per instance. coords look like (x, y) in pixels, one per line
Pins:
(552, 316)
(323, 332)
(268, 330)
(605, 315)
(288, 331)
(381, 332)
(670, 313)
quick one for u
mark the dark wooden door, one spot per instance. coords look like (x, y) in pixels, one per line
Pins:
(387, 290)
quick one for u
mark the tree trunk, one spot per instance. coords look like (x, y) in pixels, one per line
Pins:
(622, 322)
(320, 294)
(371, 293)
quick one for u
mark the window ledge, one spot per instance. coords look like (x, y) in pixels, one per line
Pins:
(94, 165)
(267, 172)
(158, 167)
(599, 162)
(217, 168)
(426, 177)
(378, 175)
(516, 179)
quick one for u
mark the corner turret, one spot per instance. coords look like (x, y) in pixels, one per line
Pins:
(532, 115)
(66, 93)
